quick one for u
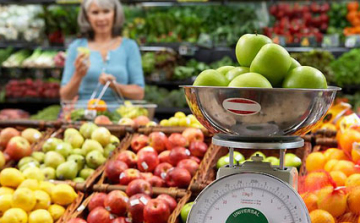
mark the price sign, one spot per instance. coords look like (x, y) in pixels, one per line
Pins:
(352, 41)
(279, 40)
(330, 40)
(205, 40)
(308, 41)
(186, 50)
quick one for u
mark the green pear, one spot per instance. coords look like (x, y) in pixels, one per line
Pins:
(77, 151)
(64, 149)
(85, 173)
(102, 135)
(75, 140)
(42, 166)
(49, 173)
(272, 160)
(292, 160)
(78, 159)
(67, 170)
(91, 145)
(53, 159)
(87, 129)
(26, 160)
(114, 139)
(78, 180)
(39, 156)
(238, 157)
(29, 164)
(109, 149)
(70, 131)
(50, 144)
(94, 159)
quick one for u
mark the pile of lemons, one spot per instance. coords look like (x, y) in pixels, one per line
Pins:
(25, 197)
(180, 119)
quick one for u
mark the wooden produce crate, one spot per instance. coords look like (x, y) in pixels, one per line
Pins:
(324, 143)
(71, 208)
(208, 171)
(168, 130)
(24, 123)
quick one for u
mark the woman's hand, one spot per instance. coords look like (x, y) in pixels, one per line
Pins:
(105, 78)
(82, 64)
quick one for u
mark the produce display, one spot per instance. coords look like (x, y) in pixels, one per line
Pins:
(353, 18)
(50, 113)
(26, 197)
(38, 59)
(262, 64)
(346, 68)
(75, 156)
(32, 89)
(13, 114)
(180, 119)
(165, 98)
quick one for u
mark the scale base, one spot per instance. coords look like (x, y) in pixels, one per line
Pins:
(288, 174)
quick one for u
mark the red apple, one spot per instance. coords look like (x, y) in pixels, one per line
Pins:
(141, 120)
(114, 168)
(198, 149)
(170, 201)
(193, 134)
(146, 149)
(76, 220)
(156, 181)
(146, 176)
(175, 140)
(137, 204)
(102, 120)
(195, 159)
(162, 169)
(158, 141)
(147, 161)
(17, 148)
(156, 211)
(191, 165)
(129, 175)
(139, 186)
(120, 220)
(117, 202)
(97, 201)
(164, 156)
(177, 154)
(178, 177)
(139, 142)
(6, 134)
(128, 157)
(99, 214)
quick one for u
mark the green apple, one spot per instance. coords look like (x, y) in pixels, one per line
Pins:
(273, 62)
(294, 64)
(75, 140)
(78, 159)
(292, 160)
(305, 77)
(49, 173)
(78, 180)
(238, 157)
(231, 74)
(87, 129)
(94, 159)
(39, 156)
(272, 160)
(185, 211)
(53, 159)
(85, 173)
(91, 145)
(64, 149)
(248, 47)
(51, 144)
(258, 153)
(102, 135)
(250, 80)
(223, 70)
(67, 170)
(210, 78)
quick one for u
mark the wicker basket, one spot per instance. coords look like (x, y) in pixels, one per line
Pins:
(40, 125)
(168, 130)
(71, 208)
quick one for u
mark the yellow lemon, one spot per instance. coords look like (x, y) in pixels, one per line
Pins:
(46, 186)
(34, 173)
(179, 115)
(192, 119)
(184, 122)
(63, 194)
(11, 177)
(43, 200)
(164, 122)
(40, 216)
(30, 184)
(6, 190)
(56, 211)
(5, 203)
(24, 198)
(14, 215)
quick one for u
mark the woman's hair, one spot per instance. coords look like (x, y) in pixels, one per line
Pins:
(85, 27)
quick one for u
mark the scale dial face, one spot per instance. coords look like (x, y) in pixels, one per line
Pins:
(250, 198)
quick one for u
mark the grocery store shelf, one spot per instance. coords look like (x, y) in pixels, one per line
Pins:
(171, 111)
(169, 83)
(306, 49)
(32, 101)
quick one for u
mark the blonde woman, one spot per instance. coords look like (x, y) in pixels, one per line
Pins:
(111, 57)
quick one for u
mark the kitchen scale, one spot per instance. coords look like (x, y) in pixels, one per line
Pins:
(255, 118)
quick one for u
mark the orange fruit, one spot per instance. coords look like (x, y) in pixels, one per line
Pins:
(347, 138)
(345, 166)
(334, 154)
(353, 200)
(353, 180)
(317, 180)
(351, 16)
(310, 200)
(329, 166)
(332, 201)
(96, 104)
(355, 153)
(339, 178)
(321, 216)
(315, 161)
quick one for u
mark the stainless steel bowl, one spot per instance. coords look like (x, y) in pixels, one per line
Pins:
(258, 112)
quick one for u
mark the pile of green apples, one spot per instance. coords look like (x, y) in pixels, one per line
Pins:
(263, 64)
(76, 156)
(291, 159)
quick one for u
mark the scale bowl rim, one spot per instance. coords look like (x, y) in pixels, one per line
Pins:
(329, 89)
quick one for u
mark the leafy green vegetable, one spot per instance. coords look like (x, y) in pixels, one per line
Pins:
(347, 68)
(48, 114)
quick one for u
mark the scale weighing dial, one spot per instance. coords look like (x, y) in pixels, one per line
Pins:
(249, 198)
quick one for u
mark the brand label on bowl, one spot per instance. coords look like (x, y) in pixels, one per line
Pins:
(241, 106)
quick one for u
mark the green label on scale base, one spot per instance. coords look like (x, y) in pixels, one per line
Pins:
(247, 215)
